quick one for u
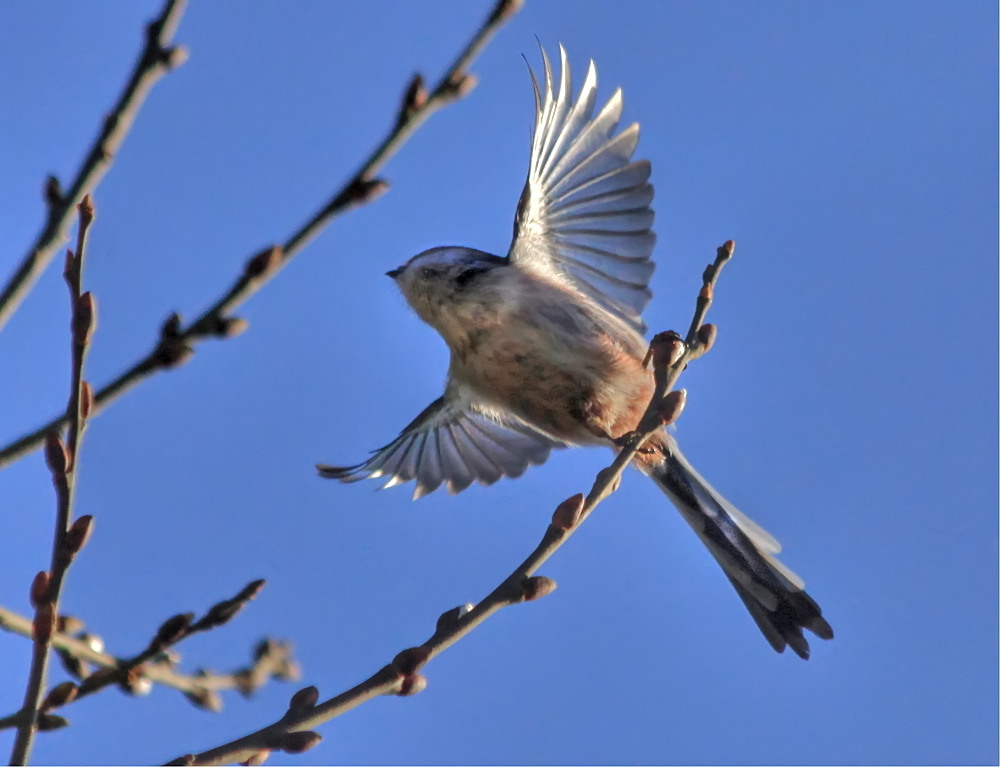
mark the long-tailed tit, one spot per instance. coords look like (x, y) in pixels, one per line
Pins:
(547, 351)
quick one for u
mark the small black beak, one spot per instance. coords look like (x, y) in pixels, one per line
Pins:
(394, 273)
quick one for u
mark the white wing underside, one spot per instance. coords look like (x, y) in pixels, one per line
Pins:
(584, 214)
(583, 219)
(455, 444)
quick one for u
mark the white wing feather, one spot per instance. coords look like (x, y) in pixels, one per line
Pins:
(584, 213)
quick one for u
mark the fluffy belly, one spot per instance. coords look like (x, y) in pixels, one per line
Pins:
(576, 383)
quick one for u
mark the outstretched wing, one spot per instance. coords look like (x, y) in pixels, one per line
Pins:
(584, 213)
(454, 444)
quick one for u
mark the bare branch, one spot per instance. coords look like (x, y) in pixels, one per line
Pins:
(156, 59)
(669, 355)
(175, 347)
(69, 537)
(157, 662)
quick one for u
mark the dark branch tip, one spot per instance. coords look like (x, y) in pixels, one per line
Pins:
(504, 10)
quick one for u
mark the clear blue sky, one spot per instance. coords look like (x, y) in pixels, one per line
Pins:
(850, 404)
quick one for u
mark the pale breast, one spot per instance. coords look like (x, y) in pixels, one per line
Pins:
(557, 363)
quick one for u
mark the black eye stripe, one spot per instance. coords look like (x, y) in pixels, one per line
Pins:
(466, 276)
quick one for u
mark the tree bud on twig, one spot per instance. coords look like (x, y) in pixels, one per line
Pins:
(39, 592)
(230, 327)
(49, 722)
(304, 700)
(536, 587)
(706, 336)
(93, 641)
(206, 699)
(414, 99)
(298, 742)
(55, 453)
(171, 327)
(223, 611)
(672, 406)
(73, 665)
(174, 354)
(173, 57)
(567, 513)
(53, 192)
(172, 630)
(263, 263)
(84, 318)
(666, 348)
(410, 660)
(86, 400)
(412, 684)
(142, 685)
(59, 695)
(461, 84)
(70, 269)
(448, 619)
(135, 681)
(67, 624)
(606, 474)
(257, 759)
(370, 189)
(78, 534)
(85, 209)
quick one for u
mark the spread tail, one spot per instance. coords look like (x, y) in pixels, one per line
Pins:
(772, 593)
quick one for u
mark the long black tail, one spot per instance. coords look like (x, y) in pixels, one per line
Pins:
(772, 593)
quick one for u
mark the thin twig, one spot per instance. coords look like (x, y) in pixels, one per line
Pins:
(175, 343)
(69, 537)
(156, 663)
(293, 733)
(156, 59)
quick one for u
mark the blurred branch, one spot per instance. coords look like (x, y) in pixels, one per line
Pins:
(156, 59)
(293, 733)
(156, 663)
(62, 459)
(175, 344)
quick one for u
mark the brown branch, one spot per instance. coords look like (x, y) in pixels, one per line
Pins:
(175, 344)
(156, 59)
(156, 663)
(293, 732)
(69, 537)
